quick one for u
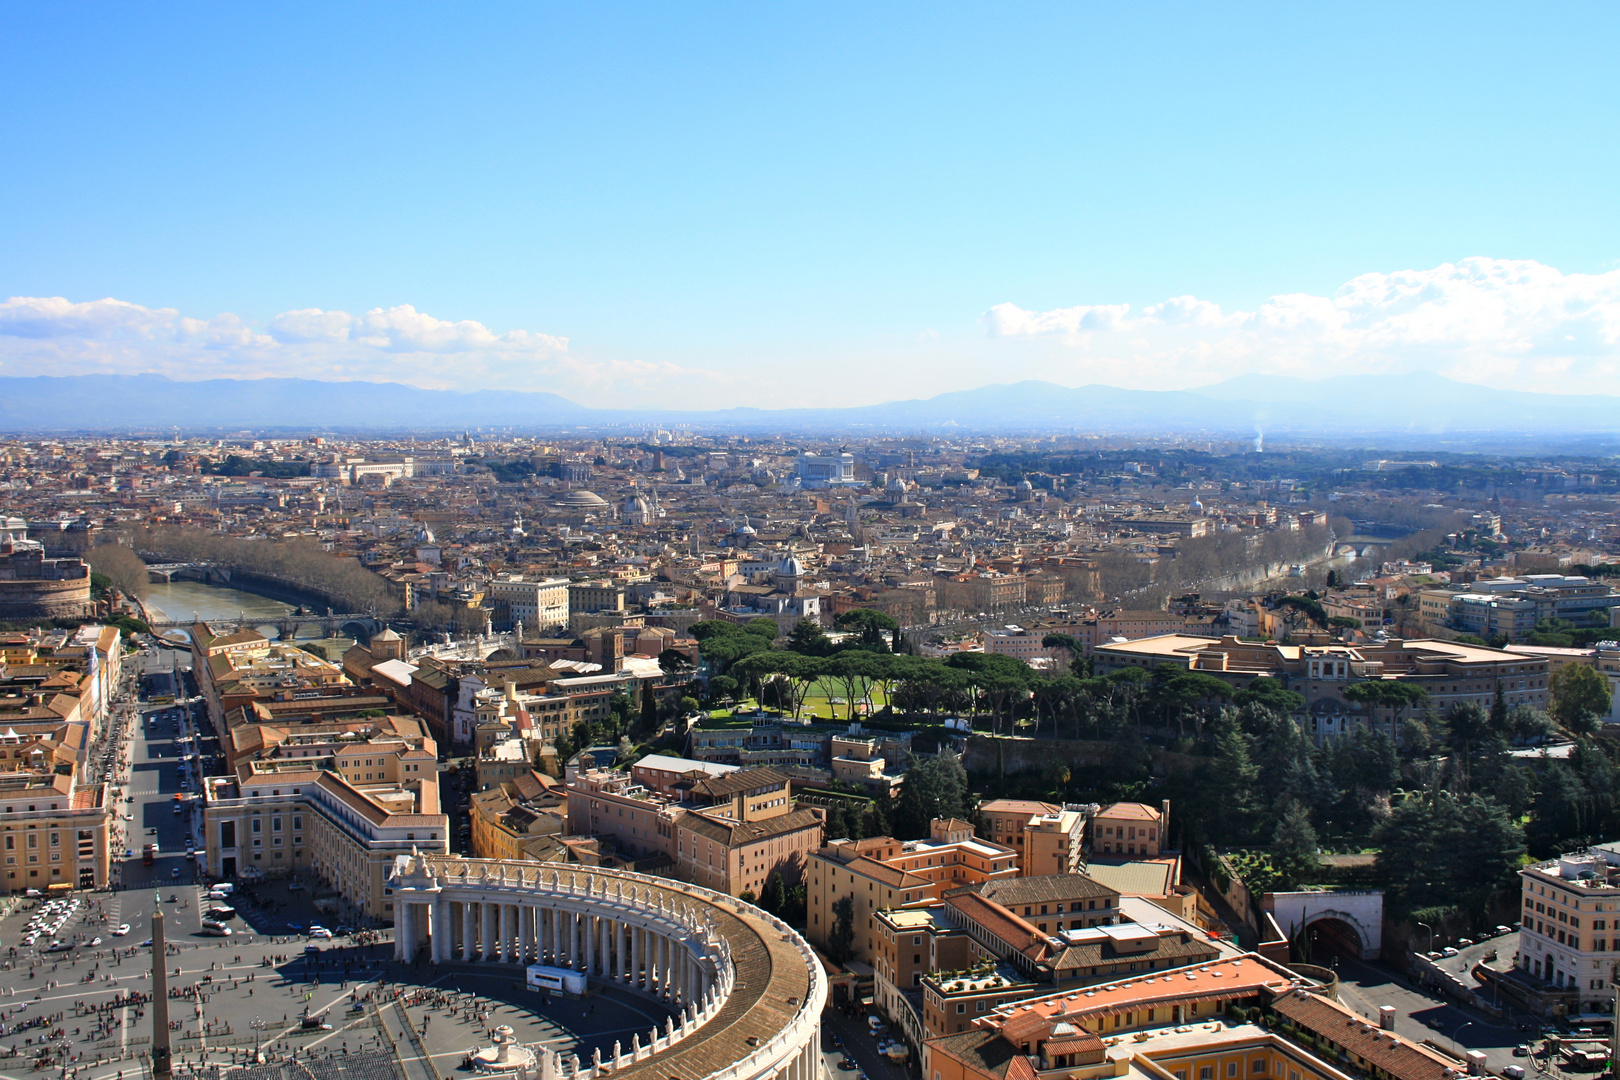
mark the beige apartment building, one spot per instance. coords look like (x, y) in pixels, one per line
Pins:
(1569, 928)
(881, 873)
(728, 832)
(55, 832)
(341, 819)
(1449, 672)
(519, 819)
(1049, 839)
(1129, 828)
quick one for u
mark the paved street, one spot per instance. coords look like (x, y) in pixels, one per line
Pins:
(1367, 986)
(858, 1045)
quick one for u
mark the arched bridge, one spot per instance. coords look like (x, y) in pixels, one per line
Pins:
(360, 626)
(167, 571)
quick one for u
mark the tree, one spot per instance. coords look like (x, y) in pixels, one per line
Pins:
(649, 707)
(935, 787)
(773, 897)
(1448, 850)
(788, 672)
(676, 664)
(723, 648)
(1293, 847)
(868, 626)
(1231, 787)
(841, 941)
(1579, 698)
(808, 639)
(1271, 693)
(123, 568)
(854, 672)
(1066, 643)
(1305, 606)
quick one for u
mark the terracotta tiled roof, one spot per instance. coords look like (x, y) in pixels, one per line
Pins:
(1131, 810)
(1386, 1050)
(1044, 889)
(738, 833)
(985, 1053)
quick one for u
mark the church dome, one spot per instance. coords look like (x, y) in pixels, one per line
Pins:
(424, 535)
(635, 504)
(580, 499)
(790, 567)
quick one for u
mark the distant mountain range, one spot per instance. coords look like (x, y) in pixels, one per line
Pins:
(1345, 405)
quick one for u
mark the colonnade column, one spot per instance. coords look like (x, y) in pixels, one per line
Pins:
(439, 932)
(573, 949)
(467, 935)
(505, 951)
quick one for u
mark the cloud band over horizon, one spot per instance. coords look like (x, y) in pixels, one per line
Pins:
(1491, 321)
(56, 336)
(1506, 323)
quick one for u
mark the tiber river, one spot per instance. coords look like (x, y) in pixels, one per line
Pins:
(189, 600)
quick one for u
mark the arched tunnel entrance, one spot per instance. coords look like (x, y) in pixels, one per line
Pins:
(1326, 937)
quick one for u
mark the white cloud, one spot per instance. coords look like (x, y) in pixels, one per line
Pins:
(55, 336)
(1497, 321)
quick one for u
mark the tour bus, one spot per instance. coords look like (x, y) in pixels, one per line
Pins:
(557, 980)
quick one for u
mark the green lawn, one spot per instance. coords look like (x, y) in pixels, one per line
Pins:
(818, 701)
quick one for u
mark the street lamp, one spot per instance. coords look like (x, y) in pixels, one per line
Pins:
(1430, 929)
(1457, 1046)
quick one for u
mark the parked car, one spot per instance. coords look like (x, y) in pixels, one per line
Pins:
(1513, 1072)
(1448, 952)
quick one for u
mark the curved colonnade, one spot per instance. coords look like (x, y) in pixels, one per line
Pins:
(747, 988)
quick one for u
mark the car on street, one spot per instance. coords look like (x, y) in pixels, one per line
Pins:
(1522, 1050)
(1513, 1072)
(175, 872)
(129, 853)
(846, 1064)
(121, 929)
(321, 932)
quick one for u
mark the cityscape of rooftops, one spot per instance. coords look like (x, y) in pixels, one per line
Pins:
(923, 543)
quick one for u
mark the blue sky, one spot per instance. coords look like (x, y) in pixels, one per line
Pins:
(771, 204)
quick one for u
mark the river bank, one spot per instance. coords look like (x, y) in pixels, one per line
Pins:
(193, 600)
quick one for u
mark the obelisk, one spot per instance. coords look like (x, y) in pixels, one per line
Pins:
(160, 994)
